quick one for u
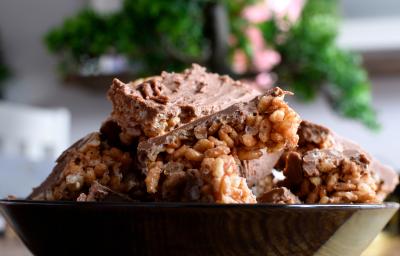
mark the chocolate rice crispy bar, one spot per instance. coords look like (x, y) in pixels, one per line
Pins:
(155, 105)
(204, 160)
(88, 166)
(326, 168)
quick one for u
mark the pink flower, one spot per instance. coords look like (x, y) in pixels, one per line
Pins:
(232, 40)
(264, 80)
(257, 13)
(266, 59)
(239, 61)
(261, 82)
(279, 7)
(295, 9)
(256, 38)
(287, 8)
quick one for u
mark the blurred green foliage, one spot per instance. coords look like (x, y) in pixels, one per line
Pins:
(168, 35)
(163, 35)
(311, 62)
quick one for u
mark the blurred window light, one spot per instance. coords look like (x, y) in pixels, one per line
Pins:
(106, 6)
(30, 131)
(370, 8)
(370, 25)
(369, 34)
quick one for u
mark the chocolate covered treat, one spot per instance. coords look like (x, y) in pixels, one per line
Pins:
(205, 160)
(89, 161)
(201, 137)
(153, 106)
(326, 168)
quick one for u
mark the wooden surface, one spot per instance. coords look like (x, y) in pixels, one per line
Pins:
(383, 245)
(356, 233)
(12, 247)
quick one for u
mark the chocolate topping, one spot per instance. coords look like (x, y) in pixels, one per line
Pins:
(100, 193)
(311, 160)
(314, 136)
(292, 170)
(158, 104)
(280, 195)
(257, 169)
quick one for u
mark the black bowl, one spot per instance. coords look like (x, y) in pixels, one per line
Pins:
(71, 228)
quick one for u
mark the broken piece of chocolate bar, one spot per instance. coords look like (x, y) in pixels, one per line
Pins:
(326, 168)
(89, 161)
(387, 177)
(280, 195)
(204, 160)
(100, 193)
(152, 106)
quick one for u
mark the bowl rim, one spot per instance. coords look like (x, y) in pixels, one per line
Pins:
(179, 205)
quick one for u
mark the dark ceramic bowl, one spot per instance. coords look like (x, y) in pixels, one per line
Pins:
(71, 228)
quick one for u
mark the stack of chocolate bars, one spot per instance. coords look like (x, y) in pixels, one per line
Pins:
(201, 137)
